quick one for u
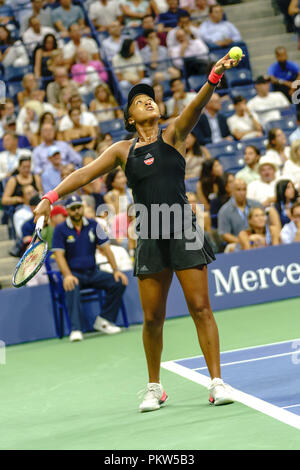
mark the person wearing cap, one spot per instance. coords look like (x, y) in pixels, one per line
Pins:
(263, 190)
(265, 101)
(74, 243)
(52, 177)
(40, 153)
(155, 168)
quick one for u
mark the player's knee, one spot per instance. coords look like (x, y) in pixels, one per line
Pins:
(201, 310)
(153, 320)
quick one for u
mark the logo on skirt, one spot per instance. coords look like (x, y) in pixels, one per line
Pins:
(149, 159)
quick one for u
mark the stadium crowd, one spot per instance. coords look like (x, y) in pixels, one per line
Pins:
(68, 66)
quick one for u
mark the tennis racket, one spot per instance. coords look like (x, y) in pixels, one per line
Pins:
(33, 258)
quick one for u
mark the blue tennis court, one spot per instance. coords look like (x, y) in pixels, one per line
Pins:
(265, 377)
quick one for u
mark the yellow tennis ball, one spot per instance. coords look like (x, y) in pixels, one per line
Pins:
(235, 53)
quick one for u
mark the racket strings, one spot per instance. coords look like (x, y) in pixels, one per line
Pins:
(30, 262)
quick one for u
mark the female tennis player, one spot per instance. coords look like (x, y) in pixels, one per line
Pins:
(154, 165)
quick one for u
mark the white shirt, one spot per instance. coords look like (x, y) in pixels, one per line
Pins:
(171, 36)
(112, 47)
(123, 259)
(243, 124)
(261, 191)
(288, 232)
(86, 119)
(88, 44)
(189, 96)
(104, 14)
(263, 106)
(292, 171)
(20, 217)
(196, 47)
(31, 38)
(274, 156)
(9, 161)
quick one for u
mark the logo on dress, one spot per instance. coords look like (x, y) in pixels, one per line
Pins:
(148, 159)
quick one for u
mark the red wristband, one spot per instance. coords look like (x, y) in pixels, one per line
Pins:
(52, 196)
(214, 78)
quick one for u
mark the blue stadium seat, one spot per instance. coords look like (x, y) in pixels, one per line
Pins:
(115, 128)
(13, 89)
(227, 108)
(191, 185)
(222, 148)
(247, 91)
(231, 163)
(59, 308)
(259, 142)
(16, 73)
(238, 77)
(195, 82)
(285, 124)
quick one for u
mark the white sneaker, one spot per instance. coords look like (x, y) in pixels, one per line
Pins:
(105, 326)
(154, 397)
(220, 393)
(76, 335)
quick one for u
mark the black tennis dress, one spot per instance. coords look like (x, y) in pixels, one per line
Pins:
(168, 234)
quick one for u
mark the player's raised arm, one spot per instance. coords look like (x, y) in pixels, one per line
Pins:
(191, 113)
(110, 158)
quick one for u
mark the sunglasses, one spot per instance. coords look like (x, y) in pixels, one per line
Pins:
(74, 208)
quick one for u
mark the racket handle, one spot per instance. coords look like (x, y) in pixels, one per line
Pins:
(40, 223)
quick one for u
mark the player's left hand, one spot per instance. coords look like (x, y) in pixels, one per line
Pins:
(226, 63)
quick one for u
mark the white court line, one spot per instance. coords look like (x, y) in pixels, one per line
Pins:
(244, 349)
(249, 360)
(291, 406)
(257, 404)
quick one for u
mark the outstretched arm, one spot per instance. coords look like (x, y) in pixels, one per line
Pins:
(191, 113)
(110, 158)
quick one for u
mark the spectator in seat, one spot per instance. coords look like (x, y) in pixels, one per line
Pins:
(41, 56)
(113, 43)
(35, 33)
(40, 153)
(79, 131)
(43, 14)
(9, 158)
(290, 233)
(263, 190)
(199, 10)
(283, 73)
(211, 182)
(296, 134)
(259, 232)
(277, 148)
(7, 16)
(104, 103)
(88, 73)
(12, 53)
(212, 126)
(265, 101)
(52, 177)
(190, 48)
(233, 215)
(293, 11)
(185, 23)
(78, 42)
(156, 58)
(133, 11)
(223, 195)
(148, 23)
(217, 32)
(180, 98)
(86, 118)
(159, 100)
(118, 195)
(129, 67)
(30, 84)
(291, 167)
(22, 214)
(286, 196)
(54, 89)
(104, 12)
(13, 192)
(250, 171)
(194, 157)
(45, 118)
(75, 243)
(169, 19)
(244, 124)
(66, 15)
